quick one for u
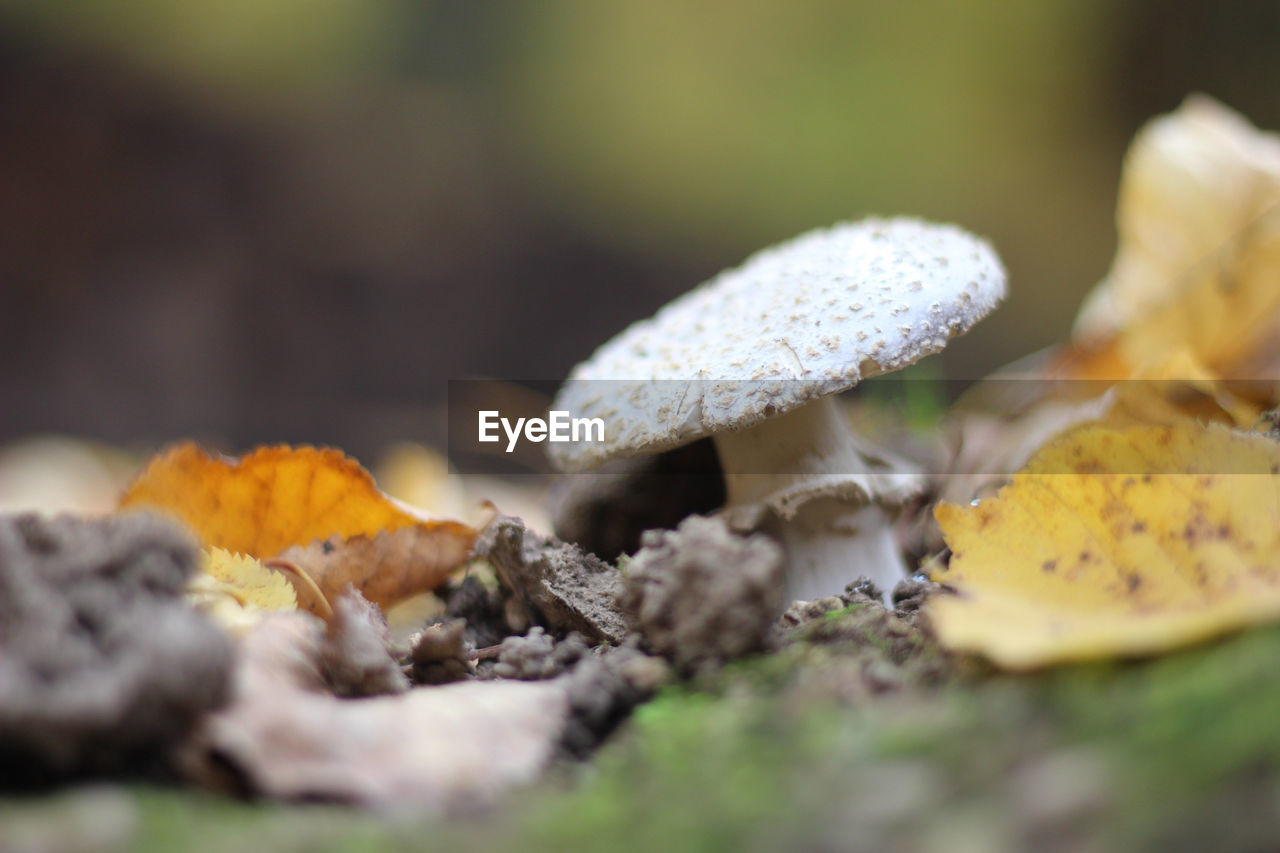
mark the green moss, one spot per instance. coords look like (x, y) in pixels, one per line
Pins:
(1182, 728)
(1168, 741)
(152, 819)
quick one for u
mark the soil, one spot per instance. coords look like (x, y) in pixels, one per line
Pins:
(440, 653)
(357, 657)
(1174, 754)
(849, 729)
(487, 609)
(538, 655)
(560, 586)
(702, 595)
(103, 666)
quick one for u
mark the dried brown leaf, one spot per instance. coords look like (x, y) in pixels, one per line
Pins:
(436, 749)
(388, 567)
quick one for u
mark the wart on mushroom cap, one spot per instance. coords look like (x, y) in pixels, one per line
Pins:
(751, 358)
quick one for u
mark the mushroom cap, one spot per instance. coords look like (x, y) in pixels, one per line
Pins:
(806, 318)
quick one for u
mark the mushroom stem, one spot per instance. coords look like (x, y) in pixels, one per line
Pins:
(830, 544)
(805, 478)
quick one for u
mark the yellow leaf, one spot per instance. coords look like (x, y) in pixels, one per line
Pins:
(270, 499)
(1199, 249)
(1176, 389)
(254, 582)
(237, 590)
(1116, 541)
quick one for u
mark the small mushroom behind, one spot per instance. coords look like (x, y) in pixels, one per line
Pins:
(751, 358)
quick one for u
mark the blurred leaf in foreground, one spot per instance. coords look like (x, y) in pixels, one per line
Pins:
(1187, 322)
(1198, 265)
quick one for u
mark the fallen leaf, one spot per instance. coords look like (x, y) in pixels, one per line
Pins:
(318, 507)
(1199, 250)
(1116, 541)
(236, 591)
(1187, 321)
(1100, 545)
(386, 568)
(1176, 389)
(434, 749)
(996, 433)
(268, 500)
(987, 448)
(253, 583)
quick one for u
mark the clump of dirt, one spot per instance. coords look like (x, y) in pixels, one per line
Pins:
(850, 647)
(357, 658)
(908, 597)
(490, 613)
(440, 653)
(558, 585)
(865, 625)
(608, 512)
(103, 666)
(603, 690)
(538, 655)
(702, 595)
(800, 612)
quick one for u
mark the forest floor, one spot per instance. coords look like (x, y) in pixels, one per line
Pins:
(857, 735)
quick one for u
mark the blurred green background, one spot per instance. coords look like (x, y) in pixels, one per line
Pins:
(260, 220)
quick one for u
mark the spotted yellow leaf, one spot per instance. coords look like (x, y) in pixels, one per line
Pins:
(1116, 540)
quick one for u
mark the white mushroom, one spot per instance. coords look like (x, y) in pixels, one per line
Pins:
(751, 359)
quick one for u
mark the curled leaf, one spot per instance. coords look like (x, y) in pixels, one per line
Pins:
(1199, 228)
(1116, 541)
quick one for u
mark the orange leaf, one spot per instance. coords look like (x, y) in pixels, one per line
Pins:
(270, 499)
(386, 568)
